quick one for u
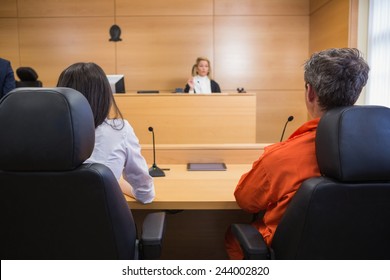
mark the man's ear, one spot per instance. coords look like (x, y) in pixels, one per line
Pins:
(310, 94)
(312, 102)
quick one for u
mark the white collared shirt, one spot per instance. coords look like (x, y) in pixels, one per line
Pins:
(120, 151)
(202, 84)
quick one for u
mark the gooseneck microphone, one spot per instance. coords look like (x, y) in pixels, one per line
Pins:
(155, 171)
(290, 118)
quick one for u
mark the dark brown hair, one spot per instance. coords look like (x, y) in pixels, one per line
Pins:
(90, 80)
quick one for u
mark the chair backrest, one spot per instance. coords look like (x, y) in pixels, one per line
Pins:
(28, 77)
(52, 205)
(345, 214)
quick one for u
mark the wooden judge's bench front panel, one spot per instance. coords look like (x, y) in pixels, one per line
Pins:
(191, 118)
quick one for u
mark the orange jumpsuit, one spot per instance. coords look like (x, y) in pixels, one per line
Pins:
(273, 180)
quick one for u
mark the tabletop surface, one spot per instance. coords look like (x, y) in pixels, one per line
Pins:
(182, 189)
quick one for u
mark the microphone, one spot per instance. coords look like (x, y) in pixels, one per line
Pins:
(290, 118)
(155, 171)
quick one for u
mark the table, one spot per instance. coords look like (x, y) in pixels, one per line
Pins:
(197, 190)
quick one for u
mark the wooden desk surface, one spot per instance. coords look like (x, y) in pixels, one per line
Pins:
(181, 189)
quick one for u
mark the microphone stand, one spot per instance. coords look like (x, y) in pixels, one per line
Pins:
(290, 118)
(155, 171)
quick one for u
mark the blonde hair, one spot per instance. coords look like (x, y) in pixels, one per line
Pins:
(198, 60)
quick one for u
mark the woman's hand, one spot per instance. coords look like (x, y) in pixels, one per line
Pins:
(191, 83)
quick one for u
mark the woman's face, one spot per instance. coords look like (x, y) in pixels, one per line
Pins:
(203, 68)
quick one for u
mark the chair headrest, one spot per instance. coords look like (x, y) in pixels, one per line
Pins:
(45, 129)
(353, 143)
(27, 74)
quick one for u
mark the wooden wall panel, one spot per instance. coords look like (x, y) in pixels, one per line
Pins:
(8, 8)
(317, 4)
(69, 40)
(273, 110)
(70, 8)
(9, 46)
(268, 57)
(353, 23)
(158, 52)
(163, 7)
(329, 26)
(261, 7)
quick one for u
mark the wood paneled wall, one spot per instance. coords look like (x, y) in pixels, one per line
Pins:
(259, 45)
(329, 24)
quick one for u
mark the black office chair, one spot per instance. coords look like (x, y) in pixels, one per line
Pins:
(53, 206)
(345, 214)
(28, 77)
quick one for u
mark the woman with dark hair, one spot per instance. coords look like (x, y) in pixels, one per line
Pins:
(116, 144)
